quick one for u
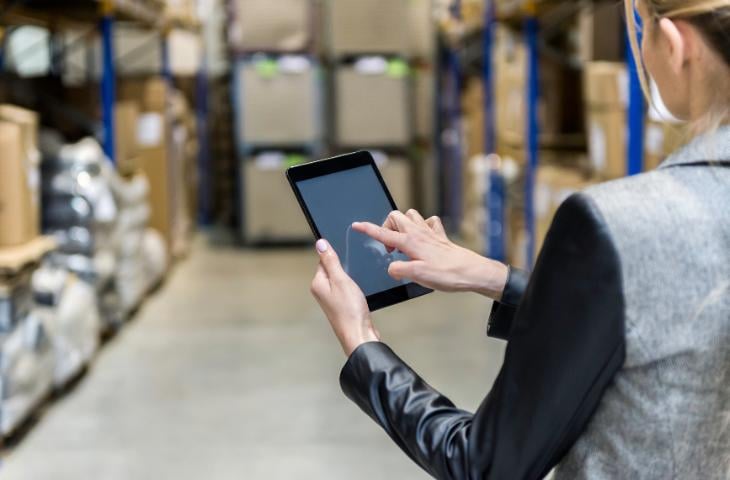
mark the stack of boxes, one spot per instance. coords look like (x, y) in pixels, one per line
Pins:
(606, 87)
(278, 109)
(376, 58)
(381, 54)
(164, 138)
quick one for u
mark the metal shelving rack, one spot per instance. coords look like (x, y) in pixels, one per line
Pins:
(105, 14)
(495, 197)
(532, 133)
(450, 151)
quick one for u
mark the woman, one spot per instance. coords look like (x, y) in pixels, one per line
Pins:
(618, 356)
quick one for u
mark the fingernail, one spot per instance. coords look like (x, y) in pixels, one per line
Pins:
(321, 245)
(355, 224)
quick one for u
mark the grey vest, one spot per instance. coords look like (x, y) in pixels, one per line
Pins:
(667, 414)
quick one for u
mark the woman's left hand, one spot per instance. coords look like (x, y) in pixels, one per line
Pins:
(342, 301)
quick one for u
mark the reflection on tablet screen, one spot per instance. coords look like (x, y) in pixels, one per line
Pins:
(337, 200)
(365, 257)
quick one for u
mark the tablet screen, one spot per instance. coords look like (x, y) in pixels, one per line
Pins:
(337, 200)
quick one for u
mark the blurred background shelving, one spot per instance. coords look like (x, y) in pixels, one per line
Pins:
(126, 126)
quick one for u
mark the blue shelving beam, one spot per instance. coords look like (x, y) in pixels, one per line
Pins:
(532, 130)
(452, 166)
(108, 85)
(495, 197)
(165, 60)
(204, 164)
(635, 112)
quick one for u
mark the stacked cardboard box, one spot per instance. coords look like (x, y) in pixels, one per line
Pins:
(661, 139)
(126, 116)
(606, 92)
(363, 27)
(161, 158)
(380, 118)
(271, 212)
(266, 26)
(278, 101)
(19, 176)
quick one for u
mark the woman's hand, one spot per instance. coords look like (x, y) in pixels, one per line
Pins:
(342, 301)
(436, 262)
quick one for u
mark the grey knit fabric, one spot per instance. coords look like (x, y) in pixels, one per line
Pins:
(667, 414)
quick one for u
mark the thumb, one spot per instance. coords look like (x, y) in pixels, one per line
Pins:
(400, 270)
(330, 260)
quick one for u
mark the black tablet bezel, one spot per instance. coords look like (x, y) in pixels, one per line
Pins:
(337, 164)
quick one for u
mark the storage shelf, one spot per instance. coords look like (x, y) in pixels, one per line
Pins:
(74, 12)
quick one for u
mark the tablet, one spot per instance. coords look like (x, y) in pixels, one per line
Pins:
(336, 192)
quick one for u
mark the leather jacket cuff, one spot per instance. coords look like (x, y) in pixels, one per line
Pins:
(503, 312)
(365, 361)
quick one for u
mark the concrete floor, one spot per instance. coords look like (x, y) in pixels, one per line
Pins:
(230, 372)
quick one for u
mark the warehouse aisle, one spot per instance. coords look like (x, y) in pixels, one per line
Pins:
(230, 372)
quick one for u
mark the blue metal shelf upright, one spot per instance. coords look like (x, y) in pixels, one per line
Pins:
(635, 112)
(531, 27)
(495, 198)
(450, 132)
(108, 80)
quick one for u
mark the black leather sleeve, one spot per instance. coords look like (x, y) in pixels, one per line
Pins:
(503, 312)
(566, 344)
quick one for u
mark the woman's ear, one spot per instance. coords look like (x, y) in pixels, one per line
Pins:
(675, 41)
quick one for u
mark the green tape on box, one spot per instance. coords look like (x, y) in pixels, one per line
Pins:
(398, 69)
(267, 68)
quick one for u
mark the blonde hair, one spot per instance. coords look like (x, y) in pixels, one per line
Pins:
(712, 19)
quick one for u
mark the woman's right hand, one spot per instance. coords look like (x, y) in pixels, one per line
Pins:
(436, 262)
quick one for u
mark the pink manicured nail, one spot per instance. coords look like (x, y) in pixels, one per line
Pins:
(322, 245)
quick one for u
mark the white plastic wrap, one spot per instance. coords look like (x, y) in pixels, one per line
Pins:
(131, 192)
(132, 282)
(26, 371)
(74, 331)
(73, 320)
(155, 256)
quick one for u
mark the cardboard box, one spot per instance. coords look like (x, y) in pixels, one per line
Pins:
(601, 32)
(606, 92)
(606, 85)
(473, 111)
(271, 211)
(278, 103)
(372, 109)
(153, 163)
(607, 142)
(19, 205)
(396, 172)
(553, 185)
(126, 116)
(421, 29)
(425, 106)
(150, 93)
(28, 122)
(510, 63)
(359, 27)
(661, 139)
(271, 26)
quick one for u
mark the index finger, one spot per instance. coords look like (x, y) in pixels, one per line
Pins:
(387, 237)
